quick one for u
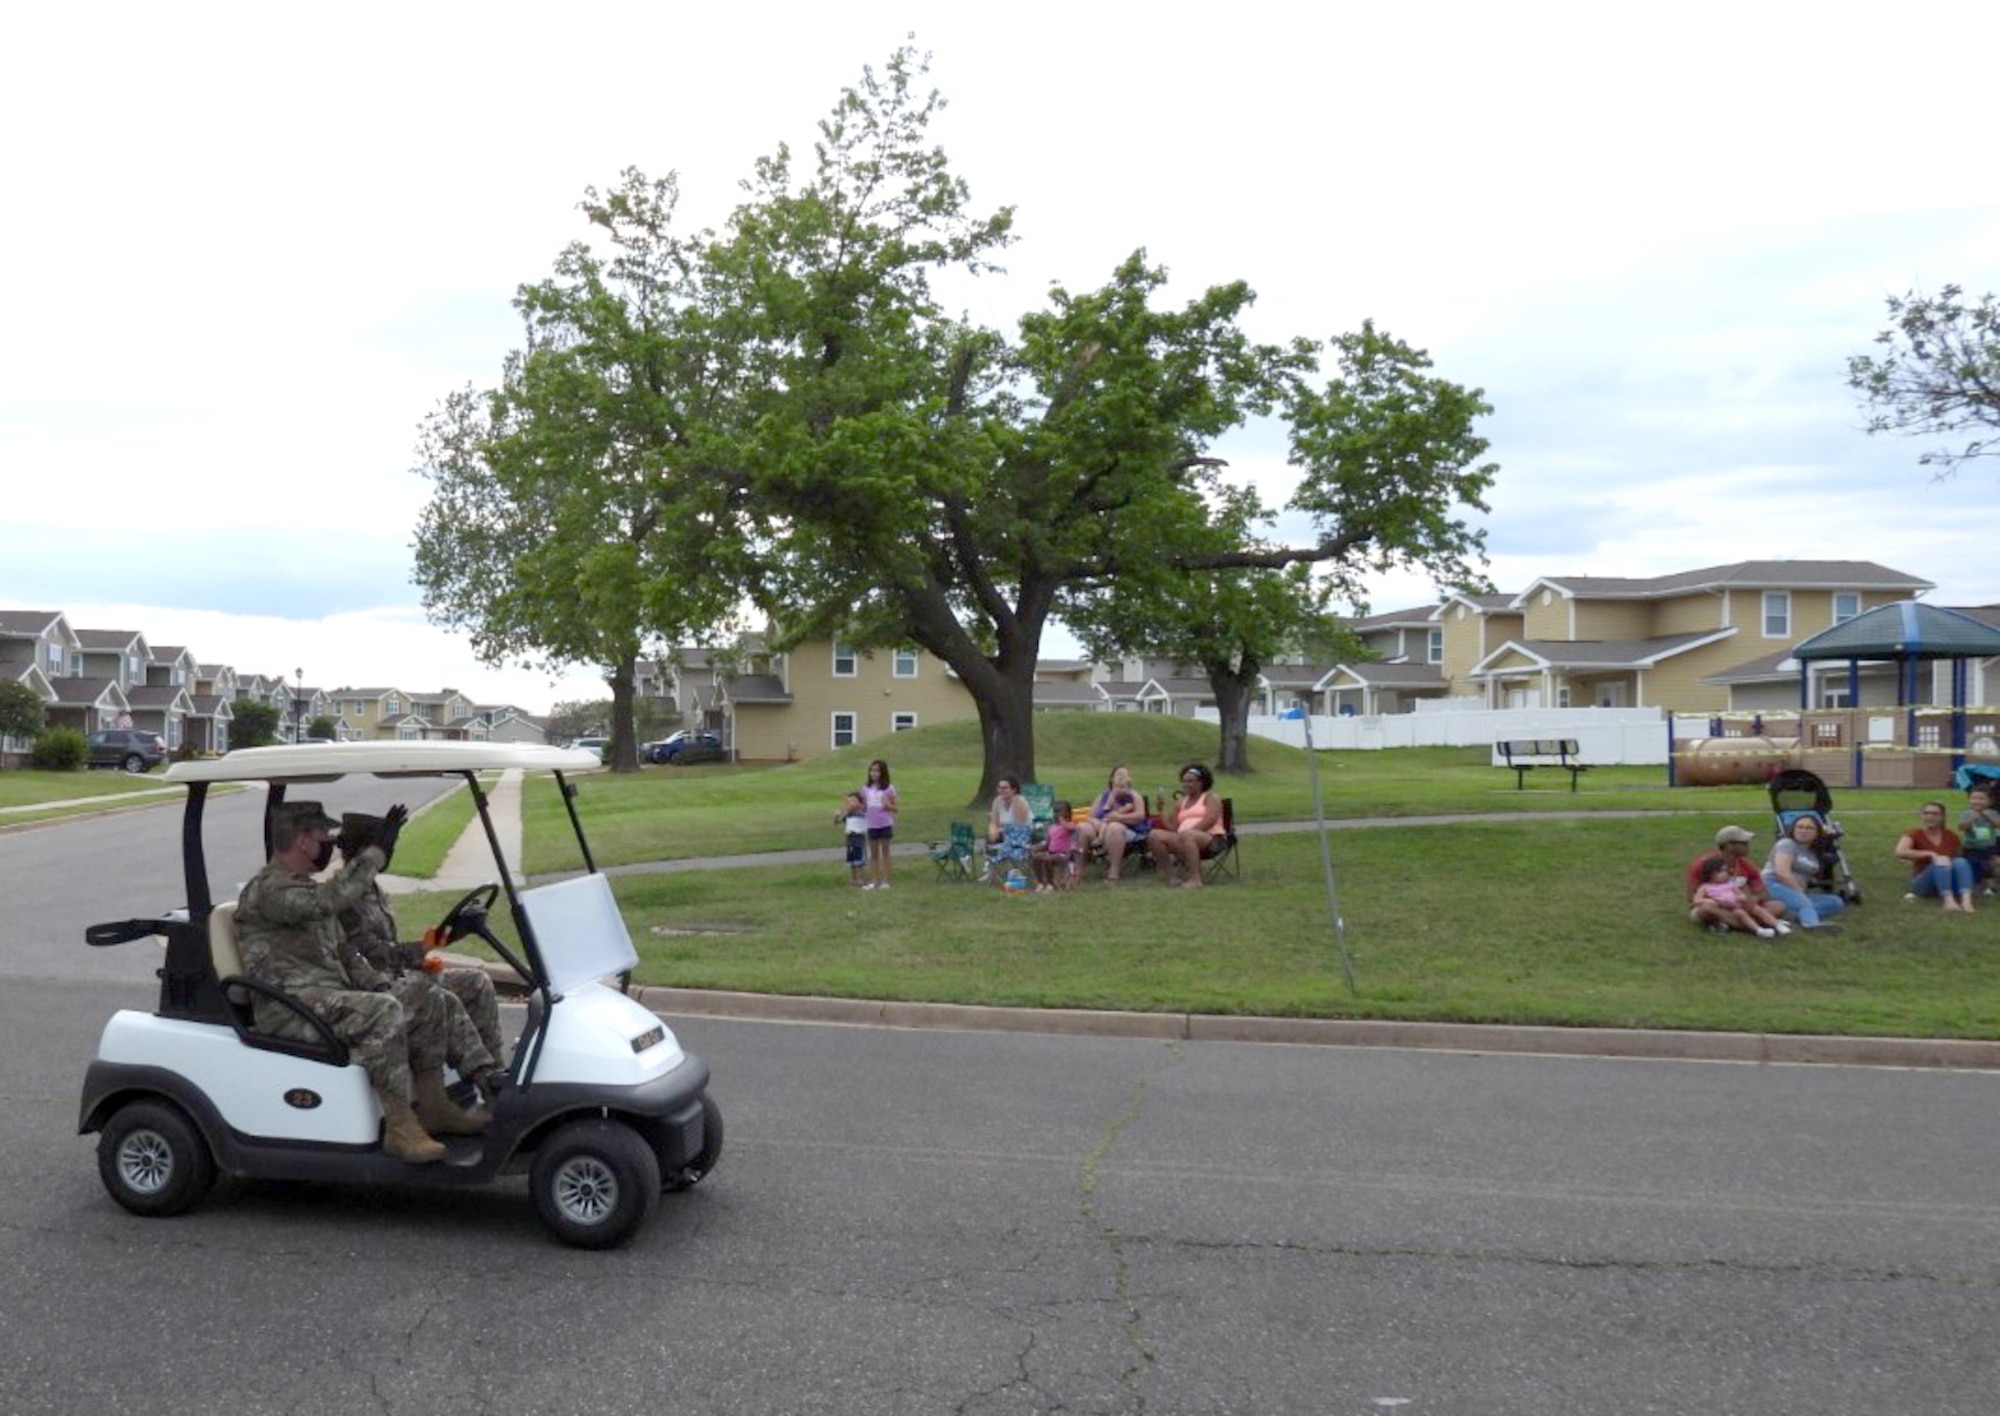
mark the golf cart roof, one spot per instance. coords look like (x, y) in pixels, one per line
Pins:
(324, 761)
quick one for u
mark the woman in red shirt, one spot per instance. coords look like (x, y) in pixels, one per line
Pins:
(1937, 866)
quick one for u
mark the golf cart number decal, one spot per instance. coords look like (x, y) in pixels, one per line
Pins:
(648, 1038)
(304, 1098)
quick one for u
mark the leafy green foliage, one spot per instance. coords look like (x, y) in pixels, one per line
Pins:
(60, 749)
(785, 411)
(21, 710)
(1937, 374)
(252, 724)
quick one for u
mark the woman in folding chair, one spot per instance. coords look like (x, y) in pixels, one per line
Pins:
(1009, 828)
(1117, 824)
(1192, 823)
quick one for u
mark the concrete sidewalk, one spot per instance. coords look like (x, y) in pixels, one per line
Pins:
(469, 862)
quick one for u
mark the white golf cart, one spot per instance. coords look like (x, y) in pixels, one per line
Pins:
(602, 1108)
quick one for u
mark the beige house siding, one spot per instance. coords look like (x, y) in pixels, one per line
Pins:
(1688, 614)
(1677, 683)
(1610, 619)
(1462, 646)
(765, 732)
(1546, 616)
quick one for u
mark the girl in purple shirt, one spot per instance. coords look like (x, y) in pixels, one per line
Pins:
(879, 800)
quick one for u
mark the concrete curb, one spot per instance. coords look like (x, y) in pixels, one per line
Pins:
(1944, 1054)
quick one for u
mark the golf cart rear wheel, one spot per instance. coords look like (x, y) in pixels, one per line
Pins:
(152, 1159)
(595, 1182)
(697, 1168)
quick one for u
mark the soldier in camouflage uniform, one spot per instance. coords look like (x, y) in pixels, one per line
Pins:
(474, 1044)
(288, 930)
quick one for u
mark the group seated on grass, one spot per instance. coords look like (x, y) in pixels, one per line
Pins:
(1805, 882)
(1189, 841)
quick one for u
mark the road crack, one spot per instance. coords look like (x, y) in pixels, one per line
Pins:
(1132, 1323)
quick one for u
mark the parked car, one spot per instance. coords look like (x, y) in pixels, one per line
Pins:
(133, 749)
(598, 745)
(684, 747)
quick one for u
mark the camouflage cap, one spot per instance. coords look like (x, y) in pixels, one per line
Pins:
(296, 816)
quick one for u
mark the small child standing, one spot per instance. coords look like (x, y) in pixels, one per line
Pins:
(1979, 831)
(1055, 857)
(853, 818)
(1721, 887)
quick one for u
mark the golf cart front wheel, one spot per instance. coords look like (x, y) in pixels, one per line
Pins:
(153, 1161)
(594, 1183)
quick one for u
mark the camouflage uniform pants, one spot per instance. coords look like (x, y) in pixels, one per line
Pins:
(439, 1031)
(474, 992)
(371, 1024)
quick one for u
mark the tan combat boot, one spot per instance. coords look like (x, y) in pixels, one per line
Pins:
(440, 1114)
(403, 1136)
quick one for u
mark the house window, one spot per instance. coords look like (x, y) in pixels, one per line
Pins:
(843, 730)
(1830, 697)
(1777, 614)
(135, 669)
(902, 722)
(408, 732)
(843, 660)
(905, 664)
(1846, 605)
(1611, 695)
(391, 706)
(457, 711)
(1928, 736)
(56, 662)
(1435, 648)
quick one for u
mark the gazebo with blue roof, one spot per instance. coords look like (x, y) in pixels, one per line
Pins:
(1907, 634)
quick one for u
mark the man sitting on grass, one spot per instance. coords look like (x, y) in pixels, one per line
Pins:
(1732, 844)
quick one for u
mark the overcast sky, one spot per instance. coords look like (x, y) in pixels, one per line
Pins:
(250, 247)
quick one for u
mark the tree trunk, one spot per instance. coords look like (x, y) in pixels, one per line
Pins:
(1233, 689)
(1007, 731)
(624, 755)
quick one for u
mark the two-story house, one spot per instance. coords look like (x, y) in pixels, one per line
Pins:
(1666, 641)
(822, 695)
(368, 714)
(448, 715)
(35, 646)
(1408, 650)
(507, 722)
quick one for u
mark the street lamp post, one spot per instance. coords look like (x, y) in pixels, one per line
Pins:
(298, 706)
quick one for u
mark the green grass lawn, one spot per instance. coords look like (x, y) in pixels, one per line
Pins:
(1544, 917)
(28, 787)
(667, 813)
(1573, 921)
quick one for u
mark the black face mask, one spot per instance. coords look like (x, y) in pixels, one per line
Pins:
(323, 857)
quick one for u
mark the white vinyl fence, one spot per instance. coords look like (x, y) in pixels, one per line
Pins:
(1604, 736)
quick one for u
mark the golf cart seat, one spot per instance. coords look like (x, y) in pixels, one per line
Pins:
(226, 955)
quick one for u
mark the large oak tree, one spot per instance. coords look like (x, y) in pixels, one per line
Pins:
(787, 408)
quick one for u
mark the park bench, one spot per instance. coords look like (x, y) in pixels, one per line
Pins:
(1525, 755)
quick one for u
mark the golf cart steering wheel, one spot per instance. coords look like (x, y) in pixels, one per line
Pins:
(468, 916)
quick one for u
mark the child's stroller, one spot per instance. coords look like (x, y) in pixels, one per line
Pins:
(1796, 792)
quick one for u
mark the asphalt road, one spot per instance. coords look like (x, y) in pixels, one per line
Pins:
(932, 1222)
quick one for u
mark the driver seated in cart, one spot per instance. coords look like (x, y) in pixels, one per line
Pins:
(288, 930)
(370, 927)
